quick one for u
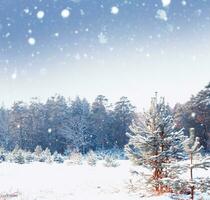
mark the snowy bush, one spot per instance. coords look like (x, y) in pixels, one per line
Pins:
(18, 156)
(38, 154)
(115, 152)
(91, 158)
(57, 157)
(110, 161)
(42, 156)
(46, 156)
(2, 154)
(75, 158)
(29, 157)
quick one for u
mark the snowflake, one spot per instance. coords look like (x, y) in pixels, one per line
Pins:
(193, 115)
(82, 13)
(56, 34)
(166, 3)
(14, 75)
(26, 11)
(184, 3)
(162, 15)
(40, 14)
(31, 41)
(114, 10)
(49, 130)
(65, 13)
(102, 38)
(7, 35)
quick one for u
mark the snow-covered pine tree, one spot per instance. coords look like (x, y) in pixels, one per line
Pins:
(57, 157)
(46, 156)
(18, 156)
(155, 144)
(2, 154)
(193, 149)
(37, 153)
(110, 161)
(91, 158)
(75, 158)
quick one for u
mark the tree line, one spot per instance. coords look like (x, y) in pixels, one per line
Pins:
(195, 113)
(61, 124)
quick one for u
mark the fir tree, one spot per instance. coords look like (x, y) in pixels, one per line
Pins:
(193, 148)
(46, 156)
(38, 153)
(110, 161)
(57, 157)
(91, 158)
(154, 144)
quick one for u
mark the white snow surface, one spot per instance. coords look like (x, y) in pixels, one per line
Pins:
(42, 181)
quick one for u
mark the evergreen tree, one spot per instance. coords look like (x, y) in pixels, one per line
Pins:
(196, 113)
(38, 153)
(193, 148)
(154, 144)
(76, 126)
(99, 122)
(91, 158)
(123, 117)
(57, 157)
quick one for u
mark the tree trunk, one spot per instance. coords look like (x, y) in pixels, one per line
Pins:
(191, 176)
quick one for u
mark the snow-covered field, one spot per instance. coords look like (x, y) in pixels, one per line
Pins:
(42, 181)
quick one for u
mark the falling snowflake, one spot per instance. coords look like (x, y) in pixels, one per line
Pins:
(82, 13)
(193, 115)
(14, 75)
(40, 14)
(184, 3)
(162, 15)
(114, 10)
(7, 35)
(102, 38)
(56, 34)
(26, 11)
(49, 130)
(65, 13)
(166, 3)
(31, 41)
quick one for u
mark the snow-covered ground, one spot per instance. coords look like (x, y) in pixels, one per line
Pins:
(42, 181)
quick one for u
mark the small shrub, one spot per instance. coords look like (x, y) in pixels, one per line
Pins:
(46, 156)
(2, 154)
(75, 158)
(110, 161)
(19, 157)
(91, 158)
(57, 157)
(29, 157)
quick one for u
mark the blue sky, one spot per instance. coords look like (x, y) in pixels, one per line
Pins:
(110, 47)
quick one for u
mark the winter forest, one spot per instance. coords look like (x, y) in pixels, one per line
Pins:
(104, 99)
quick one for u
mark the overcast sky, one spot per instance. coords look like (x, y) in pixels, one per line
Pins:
(116, 48)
